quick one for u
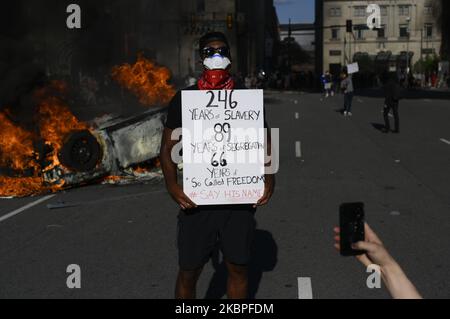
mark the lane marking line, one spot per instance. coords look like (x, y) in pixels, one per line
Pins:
(298, 149)
(443, 140)
(304, 288)
(26, 207)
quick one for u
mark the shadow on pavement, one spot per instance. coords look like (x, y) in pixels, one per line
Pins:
(264, 259)
(378, 126)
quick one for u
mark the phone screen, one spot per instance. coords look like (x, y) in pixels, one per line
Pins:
(352, 227)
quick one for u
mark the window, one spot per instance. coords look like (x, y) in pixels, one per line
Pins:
(384, 10)
(428, 30)
(381, 32)
(360, 31)
(335, 32)
(428, 51)
(360, 11)
(428, 10)
(200, 5)
(403, 10)
(359, 34)
(404, 31)
(335, 12)
(335, 52)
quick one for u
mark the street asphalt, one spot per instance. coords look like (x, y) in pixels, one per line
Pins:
(124, 238)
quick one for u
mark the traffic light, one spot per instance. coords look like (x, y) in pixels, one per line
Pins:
(230, 21)
(349, 26)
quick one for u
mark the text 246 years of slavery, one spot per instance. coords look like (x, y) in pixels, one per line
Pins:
(198, 115)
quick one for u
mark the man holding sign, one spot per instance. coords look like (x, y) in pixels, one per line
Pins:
(224, 149)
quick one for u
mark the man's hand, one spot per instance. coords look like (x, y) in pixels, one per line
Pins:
(180, 197)
(269, 187)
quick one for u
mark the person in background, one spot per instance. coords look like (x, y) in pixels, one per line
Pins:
(392, 92)
(396, 281)
(248, 82)
(347, 89)
(327, 81)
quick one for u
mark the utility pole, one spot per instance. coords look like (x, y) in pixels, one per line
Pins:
(421, 49)
(289, 45)
(407, 51)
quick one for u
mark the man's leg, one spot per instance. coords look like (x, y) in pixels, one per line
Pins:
(350, 101)
(197, 237)
(186, 287)
(237, 285)
(387, 124)
(345, 103)
(236, 239)
(396, 117)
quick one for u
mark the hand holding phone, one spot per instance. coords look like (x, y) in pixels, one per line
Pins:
(351, 227)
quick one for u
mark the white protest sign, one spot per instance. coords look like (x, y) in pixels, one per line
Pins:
(353, 68)
(223, 146)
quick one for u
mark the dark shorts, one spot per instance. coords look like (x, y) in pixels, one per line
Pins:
(201, 230)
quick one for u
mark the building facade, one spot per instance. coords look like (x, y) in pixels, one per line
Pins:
(174, 27)
(168, 32)
(409, 32)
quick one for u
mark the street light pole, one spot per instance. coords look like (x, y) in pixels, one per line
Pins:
(408, 20)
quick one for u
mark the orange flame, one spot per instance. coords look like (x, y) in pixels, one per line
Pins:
(56, 121)
(21, 186)
(16, 146)
(147, 81)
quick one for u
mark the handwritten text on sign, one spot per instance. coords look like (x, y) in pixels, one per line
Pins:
(223, 146)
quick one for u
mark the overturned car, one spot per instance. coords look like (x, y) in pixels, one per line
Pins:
(111, 149)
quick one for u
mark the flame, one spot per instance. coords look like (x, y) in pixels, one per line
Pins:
(56, 121)
(147, 81)
(16, 146)
(21, 186)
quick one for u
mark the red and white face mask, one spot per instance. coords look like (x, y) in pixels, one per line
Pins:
(216, 58)
(216, 62)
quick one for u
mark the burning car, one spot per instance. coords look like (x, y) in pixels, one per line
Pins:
(116, 145)
(62, 151)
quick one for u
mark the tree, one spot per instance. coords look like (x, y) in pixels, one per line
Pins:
(441, 9)
(291, 53)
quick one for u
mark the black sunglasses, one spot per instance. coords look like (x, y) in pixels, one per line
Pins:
(209, 52)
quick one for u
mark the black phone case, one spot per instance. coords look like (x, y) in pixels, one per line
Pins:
(352, 227)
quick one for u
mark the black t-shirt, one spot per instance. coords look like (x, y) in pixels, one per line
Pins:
(174, 117)
(174, 113)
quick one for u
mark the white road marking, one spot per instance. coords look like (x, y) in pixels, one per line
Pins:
(297, 115)
(304, 288)
(298, 149)
(443, 140)
(24, 208)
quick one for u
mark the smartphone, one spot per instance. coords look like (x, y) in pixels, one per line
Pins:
(352, 227)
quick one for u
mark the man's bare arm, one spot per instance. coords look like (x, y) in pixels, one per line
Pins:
(170, 171)
(269, 184)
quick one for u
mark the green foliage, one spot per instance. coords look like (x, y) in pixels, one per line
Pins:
(427, 65)
(291, 50)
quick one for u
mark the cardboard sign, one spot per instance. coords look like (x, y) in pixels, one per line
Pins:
(353, 68)
(223, 146)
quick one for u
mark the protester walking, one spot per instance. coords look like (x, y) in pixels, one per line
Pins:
(392, 92)
(347, 88)
(327, 81)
